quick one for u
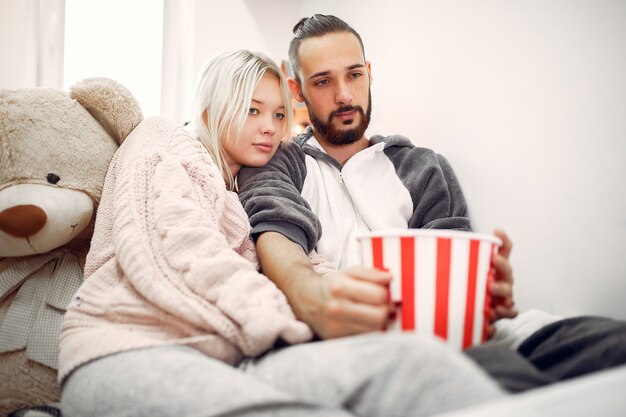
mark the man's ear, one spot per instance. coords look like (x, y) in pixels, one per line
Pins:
(294, 88)
(369, 71)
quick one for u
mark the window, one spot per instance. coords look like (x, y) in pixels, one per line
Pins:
(117, 39)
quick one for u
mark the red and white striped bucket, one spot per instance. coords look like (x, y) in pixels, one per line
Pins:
(439, 280)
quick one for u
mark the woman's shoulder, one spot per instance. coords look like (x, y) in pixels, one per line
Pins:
(153, 132)
(159, 141)
(159, 138)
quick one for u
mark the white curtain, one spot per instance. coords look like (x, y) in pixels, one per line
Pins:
(178, 59)
(31, 43)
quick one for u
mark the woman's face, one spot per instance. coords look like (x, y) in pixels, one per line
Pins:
(262, 130)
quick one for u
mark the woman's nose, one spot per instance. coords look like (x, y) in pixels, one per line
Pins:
(268, 127)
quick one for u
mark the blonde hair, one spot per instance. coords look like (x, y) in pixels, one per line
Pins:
(224, 93)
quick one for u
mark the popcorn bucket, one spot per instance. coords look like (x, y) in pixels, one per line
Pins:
(439, 280)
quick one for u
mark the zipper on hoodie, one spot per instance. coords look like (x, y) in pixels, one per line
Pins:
(357, 214)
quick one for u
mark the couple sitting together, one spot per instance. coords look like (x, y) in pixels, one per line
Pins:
(174, 317)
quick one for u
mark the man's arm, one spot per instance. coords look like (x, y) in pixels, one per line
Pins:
(271, 196)
(351, 301)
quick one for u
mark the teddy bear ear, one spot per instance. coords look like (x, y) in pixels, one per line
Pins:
(110, 103)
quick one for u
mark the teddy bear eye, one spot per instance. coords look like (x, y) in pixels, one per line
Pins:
(53, 178)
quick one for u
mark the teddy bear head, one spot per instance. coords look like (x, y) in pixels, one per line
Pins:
(54, 152)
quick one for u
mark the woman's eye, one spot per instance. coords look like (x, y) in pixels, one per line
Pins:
(252, 110)
(279, 116)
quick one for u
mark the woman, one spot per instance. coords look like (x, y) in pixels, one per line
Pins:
(173, 311)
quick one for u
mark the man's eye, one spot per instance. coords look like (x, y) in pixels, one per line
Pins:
(356, 75)
(279, 116)
(321, 82)
(252, 110)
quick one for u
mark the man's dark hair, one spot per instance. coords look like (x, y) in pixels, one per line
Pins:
(310, 27)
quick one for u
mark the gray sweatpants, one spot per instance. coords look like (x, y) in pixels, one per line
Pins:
(370, 375)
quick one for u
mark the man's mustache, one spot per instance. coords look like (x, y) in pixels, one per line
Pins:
(346, 109)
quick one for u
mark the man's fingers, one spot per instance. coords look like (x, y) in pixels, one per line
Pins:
(373, 317)
(346, 318)
(506, 312)
(372, 275)
(507, 244)
(361, 291)
(503, 268)
(501, 289)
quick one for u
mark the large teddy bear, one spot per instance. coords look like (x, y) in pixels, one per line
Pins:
(55, 148)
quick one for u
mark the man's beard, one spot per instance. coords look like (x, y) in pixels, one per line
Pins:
(342, 137)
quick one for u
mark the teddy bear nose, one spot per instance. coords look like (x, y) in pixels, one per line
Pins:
(22, 221)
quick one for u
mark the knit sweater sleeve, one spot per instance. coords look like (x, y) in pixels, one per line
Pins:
(271, 195)
(172, 217)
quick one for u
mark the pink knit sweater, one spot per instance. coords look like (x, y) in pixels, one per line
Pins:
(171, 261)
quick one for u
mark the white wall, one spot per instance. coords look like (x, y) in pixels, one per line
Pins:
(527, 99)
(195, 30)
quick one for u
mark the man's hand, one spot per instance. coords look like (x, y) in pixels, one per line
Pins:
(348, 302)
(501, 289)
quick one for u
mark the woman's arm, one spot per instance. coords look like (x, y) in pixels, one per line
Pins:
(169, 243)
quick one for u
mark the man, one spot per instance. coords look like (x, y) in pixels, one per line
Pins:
(350, 184)
(334, 182)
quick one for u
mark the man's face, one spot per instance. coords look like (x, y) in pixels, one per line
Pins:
(335, 85)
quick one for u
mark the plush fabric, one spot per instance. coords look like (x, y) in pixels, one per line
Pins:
(55, 148)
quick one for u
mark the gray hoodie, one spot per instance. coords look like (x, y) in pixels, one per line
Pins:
(309, 197)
